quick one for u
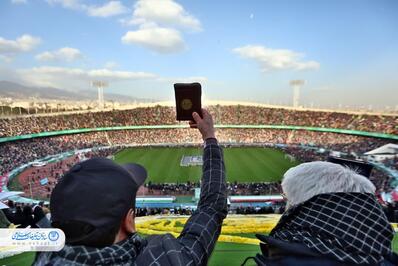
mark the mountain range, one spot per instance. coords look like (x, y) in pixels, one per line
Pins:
(14, 90)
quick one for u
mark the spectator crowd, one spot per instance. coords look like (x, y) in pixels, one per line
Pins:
(235, 188)
(300, 144)
(31, 179)
(236, 114)
(16, 153)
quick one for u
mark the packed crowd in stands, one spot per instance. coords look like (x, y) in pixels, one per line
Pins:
(171, 189)
(299, 144)
(31, 179)
(340, 142)
(272, 208)
(236, 114)
(24, 215)
(163, 211)
(54, 170)
(16, 153)
(276, 116)
(259, 188)
(235, 188)
(392, 163)
(261, 210)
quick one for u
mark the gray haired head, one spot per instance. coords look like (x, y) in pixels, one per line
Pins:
(306, 180)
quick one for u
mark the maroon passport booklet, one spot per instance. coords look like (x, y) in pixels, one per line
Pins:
(188, 100)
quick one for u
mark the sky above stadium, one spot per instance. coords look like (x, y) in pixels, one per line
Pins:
(345, 50)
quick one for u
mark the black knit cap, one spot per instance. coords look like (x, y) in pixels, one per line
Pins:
(94, 196)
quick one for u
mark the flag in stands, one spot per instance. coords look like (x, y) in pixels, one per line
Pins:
(44, 181)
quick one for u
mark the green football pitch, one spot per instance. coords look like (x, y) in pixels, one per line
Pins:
(244, 164)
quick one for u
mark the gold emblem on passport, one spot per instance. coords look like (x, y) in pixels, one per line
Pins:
(186, 104)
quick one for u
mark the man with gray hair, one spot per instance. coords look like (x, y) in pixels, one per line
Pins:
(332, 218)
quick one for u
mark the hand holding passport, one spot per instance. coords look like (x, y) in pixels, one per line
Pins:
(188, 100)
(205, 124)
(189, 108)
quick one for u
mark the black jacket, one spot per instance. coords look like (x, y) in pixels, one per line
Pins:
(331, 229)
(279, 253)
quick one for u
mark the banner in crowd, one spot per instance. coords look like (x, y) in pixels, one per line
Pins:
(44, 181)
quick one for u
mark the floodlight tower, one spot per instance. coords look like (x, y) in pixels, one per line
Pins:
(296, 84)
(100, 85)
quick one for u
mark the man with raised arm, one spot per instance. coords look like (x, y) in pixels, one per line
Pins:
(94, 205)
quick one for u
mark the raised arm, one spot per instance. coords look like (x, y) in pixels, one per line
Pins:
(200, 233)
(203, 228)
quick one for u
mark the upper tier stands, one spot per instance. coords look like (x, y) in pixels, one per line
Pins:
(16, 153)
(236, 114)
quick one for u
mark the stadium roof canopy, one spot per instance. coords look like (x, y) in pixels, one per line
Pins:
(5, 195)
(388, 149)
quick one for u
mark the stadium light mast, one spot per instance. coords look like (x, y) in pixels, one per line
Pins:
(100, 85)
(296, 84)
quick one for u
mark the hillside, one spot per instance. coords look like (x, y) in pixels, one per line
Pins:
(21, 92)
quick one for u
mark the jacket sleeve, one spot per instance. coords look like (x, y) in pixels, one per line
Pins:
(203, 228)
(201, 231)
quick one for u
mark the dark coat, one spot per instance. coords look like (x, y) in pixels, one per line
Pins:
(27, 217)
(279, 253)
(19, 218)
